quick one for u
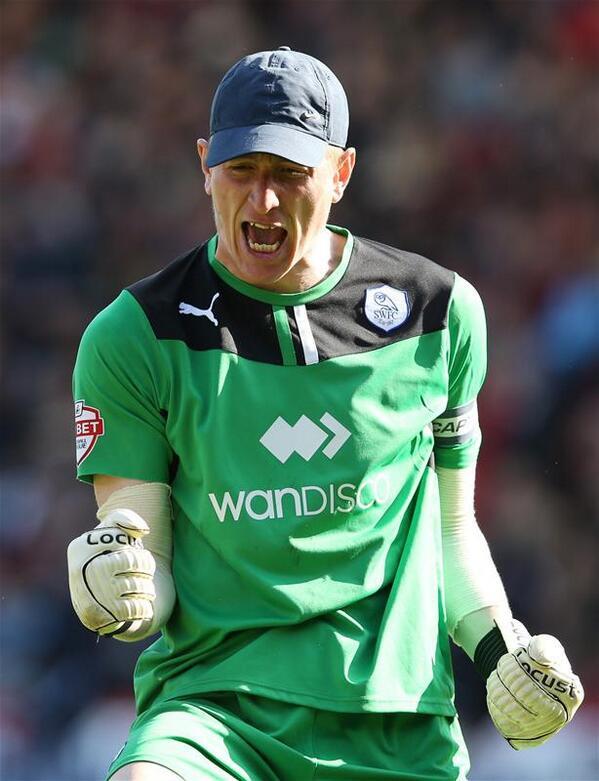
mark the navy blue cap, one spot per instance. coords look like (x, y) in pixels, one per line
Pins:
(282, 102)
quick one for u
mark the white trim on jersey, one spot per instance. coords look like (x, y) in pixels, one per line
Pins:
(305, 334)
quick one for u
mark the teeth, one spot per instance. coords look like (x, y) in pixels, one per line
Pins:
(264, 247)
(263, 227)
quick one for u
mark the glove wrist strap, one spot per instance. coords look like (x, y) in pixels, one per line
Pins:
(489, 651)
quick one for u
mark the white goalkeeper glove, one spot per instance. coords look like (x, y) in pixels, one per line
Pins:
(111, 575)
(533, 692)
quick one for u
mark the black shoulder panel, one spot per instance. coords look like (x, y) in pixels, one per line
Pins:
(187, 301)
(339, 321)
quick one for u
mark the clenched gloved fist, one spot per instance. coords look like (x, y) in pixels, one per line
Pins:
(533, 692)
(111, 575)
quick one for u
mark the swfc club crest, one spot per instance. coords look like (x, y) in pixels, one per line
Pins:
(386, 307)
(89, 425)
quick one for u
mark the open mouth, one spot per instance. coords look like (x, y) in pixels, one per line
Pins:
(264, 238)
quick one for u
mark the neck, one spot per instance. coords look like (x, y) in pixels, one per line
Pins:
(322, 260)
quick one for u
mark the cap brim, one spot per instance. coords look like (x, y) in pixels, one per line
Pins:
(286, 142)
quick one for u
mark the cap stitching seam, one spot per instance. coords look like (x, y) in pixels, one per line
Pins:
(273, 124)
(326, 102)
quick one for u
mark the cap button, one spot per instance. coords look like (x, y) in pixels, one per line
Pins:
(284, 48)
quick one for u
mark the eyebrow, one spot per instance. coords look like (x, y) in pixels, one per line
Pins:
(275, 159)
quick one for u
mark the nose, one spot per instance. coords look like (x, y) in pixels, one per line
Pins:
(263, 195)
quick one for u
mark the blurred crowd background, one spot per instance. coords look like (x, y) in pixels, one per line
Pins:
(477, 129)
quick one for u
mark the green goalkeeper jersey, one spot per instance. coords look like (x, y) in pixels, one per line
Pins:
(298, 433)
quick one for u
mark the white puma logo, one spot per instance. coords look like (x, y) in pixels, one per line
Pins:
(188, 309)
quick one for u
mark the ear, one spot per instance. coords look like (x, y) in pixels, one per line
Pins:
(203, 153)
(344, 167)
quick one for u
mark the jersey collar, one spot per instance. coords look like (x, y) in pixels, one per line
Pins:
(284, 299)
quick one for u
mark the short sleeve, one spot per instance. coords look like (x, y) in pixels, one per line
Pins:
(457, 431)
(118, 388)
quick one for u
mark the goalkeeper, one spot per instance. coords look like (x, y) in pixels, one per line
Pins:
(281, 431)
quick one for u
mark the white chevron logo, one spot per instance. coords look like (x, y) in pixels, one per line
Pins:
(304, 438)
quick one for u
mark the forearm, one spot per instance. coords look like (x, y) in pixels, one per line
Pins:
(474, 594)
(152, 502)
(531, 690)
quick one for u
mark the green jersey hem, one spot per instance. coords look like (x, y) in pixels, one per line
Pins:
(365, 704)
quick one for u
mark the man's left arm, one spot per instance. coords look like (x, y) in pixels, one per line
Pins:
(531, 689)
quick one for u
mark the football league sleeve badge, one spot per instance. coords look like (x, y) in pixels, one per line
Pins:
(89, 425)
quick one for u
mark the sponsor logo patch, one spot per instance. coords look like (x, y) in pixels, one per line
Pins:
(304, 437)
(89, 425)
(288, 502)
(386, 307)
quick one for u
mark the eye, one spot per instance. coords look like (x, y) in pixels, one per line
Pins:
(239, 167)
(294, 173)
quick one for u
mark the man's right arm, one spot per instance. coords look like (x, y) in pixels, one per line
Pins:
(105, 485)
(120, 572)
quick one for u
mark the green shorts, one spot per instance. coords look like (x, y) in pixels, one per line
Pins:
(228, 736)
